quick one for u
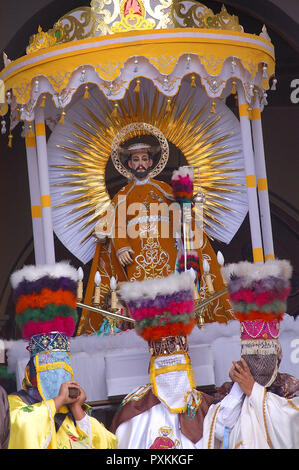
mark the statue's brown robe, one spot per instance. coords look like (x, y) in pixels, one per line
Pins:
(154, 251)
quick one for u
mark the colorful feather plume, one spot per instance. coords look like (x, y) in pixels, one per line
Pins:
(258, 292)
(45, 299)
(191, 263)
(182, 185)
(161, 307)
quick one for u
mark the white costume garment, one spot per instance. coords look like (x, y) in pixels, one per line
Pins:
(166, 414)
(155, 428)
(262, 421)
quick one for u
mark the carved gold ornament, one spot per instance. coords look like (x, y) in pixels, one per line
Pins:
(41, 40)
(76, 25)
(105, 17)
(193, 14)
(132, 17)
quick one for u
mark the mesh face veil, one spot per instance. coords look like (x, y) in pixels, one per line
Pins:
(262, 361)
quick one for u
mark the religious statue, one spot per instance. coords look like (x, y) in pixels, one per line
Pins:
(138, 238)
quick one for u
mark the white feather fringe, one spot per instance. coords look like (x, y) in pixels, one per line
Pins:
(256, 272)
(33, 273)
(183, 171)
(150, 288)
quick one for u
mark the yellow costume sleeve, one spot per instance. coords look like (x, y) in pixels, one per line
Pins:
(101, 437)
(71, 436)
(32, 426)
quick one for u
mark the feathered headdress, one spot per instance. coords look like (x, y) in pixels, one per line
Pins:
(45, 299)
(258, 294)
(161, 307)
(182, 185)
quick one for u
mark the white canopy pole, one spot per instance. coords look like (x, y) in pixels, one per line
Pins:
(35, 197)
(254, 218)
(42, 156)
(262, 184)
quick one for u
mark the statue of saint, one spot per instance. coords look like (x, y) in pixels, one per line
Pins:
(137, 238)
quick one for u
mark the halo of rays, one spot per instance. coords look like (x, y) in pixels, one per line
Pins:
(195, 132)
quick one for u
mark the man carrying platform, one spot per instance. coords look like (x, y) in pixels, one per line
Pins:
(50, 411)
(260, 408)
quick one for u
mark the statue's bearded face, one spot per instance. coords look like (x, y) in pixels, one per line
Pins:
(140, 163)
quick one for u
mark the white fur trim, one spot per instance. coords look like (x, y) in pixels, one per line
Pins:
(183, 171)
(151, 288)
(33, 273)
(255, 272)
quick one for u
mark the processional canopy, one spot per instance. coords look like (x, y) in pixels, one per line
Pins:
(170, 37)
(168, 63)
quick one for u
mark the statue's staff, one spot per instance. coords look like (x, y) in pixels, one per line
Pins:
(182, 186)
(199, 304)
(114, 315)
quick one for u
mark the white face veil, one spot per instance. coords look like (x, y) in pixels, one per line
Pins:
(172, 379)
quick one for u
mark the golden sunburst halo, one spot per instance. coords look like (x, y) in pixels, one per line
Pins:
(193, 131)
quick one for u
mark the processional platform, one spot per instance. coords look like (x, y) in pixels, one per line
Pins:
(172, 64)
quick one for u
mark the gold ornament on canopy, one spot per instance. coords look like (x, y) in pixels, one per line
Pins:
(132, 14)
(103, 18)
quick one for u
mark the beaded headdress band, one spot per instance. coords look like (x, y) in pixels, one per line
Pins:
(51, 342)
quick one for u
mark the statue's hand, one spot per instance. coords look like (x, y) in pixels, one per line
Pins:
(99, 236)
(125, 258)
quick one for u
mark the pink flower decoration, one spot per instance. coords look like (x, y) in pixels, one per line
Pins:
(64, 325)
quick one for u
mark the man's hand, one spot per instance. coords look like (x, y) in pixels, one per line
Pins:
(76, 406)
(242, 375)
(74, 403)
(125, 258)
(63, 398)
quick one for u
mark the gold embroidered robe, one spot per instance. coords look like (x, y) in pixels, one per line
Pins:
(145, 220)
